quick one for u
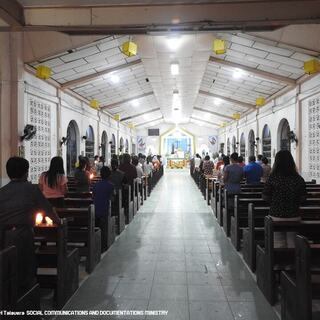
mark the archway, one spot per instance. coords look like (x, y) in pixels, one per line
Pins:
(242, 145)
(228, 147)
(126, 146)
(251, 143)
(121, 145)
(104, 145)
(266, 142)
(113, 145)
(72, 146)
(283, 135)
(90, 143)
(234, 144)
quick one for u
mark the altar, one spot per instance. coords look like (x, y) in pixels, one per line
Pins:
(177, 163)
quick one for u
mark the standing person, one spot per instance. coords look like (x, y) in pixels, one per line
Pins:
(253, 171)
(285, 190)
(208, 166)
(135, 162)
(53, 183)
(129, 170)
(226, 162)
(197, 162)
(117, 176)
(259, 159)
(82, 177)
(240, 161)
(266, 169)
(20, 201)
(233, 175)
(148, 166)
(219, 163)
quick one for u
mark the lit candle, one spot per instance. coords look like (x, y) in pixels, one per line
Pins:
(91, 176)
(39, 218)
(49, 221)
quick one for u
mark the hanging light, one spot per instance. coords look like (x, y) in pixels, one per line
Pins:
(236, 116)
(219, 46)
(173, 42)
(94, 104)
(260, 101)
(116, 117)
(43, 72)
(129, 48)
(311, 66)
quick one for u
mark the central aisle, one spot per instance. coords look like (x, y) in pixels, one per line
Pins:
(173, 257)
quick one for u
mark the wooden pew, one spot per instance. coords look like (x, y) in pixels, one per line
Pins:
(239, 220)
(83, 234)
(53, 255)
(128, 203)
(300, 287)
(117, 211)
(107, 228)
(253, 235)
(10, 298)
(271, 261)
(137, 195)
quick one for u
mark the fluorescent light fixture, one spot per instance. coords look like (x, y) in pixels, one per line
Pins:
(217, 101)
(135, 103)
(237, 74)
(114, 78)
(174, 67)
(173, 42)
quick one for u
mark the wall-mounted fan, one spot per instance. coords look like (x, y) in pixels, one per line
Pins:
(29, 132)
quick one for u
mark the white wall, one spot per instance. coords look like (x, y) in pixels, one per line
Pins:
(292, 106)
(67, 108)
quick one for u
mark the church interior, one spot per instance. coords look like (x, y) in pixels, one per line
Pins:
(177, 91)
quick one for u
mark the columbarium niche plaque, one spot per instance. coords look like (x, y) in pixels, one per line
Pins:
(40, 146)
(314, 137)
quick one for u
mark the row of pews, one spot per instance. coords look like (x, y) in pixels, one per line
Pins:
(288, 277)
(60, 250)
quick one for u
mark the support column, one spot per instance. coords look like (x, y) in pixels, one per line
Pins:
(11, 99)
(298, 129)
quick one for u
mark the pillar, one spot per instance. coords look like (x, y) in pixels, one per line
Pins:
(11, 98)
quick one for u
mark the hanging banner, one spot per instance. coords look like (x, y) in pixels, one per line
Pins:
(213, 144)
(141, 142)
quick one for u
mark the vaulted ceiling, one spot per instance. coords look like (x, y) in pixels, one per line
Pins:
(208, 89)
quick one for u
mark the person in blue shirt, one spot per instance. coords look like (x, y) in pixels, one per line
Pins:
(102, 193)
(253, 171)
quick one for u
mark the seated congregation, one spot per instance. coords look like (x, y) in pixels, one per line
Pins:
(272, 217)
(50, 232)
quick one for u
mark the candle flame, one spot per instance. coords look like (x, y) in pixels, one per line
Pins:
(39, 218)
(91, 176)
(49, 221)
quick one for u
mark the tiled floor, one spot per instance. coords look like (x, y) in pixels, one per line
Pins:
(173, 257)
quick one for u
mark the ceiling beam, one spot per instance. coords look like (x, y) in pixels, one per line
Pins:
(113, 105)
(228, 100)
(205, 121)
(144, 123)
(165, 17)
(11, 11)
(140, 114)
(255, 72)
(214, 113)
(90, 77)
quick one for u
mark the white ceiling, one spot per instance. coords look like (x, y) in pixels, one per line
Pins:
(152, 79)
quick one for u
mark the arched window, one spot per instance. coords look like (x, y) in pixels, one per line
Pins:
(113, 145)
(228, 147)
(127, 146)
(283, 134)
(90, 143)
(242, 145)
(121, 147)
(104, 145)
(234, 144)
(72, 146)
(266, 142)
(251, 143)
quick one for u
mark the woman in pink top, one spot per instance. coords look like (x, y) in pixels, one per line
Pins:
(53, 183)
